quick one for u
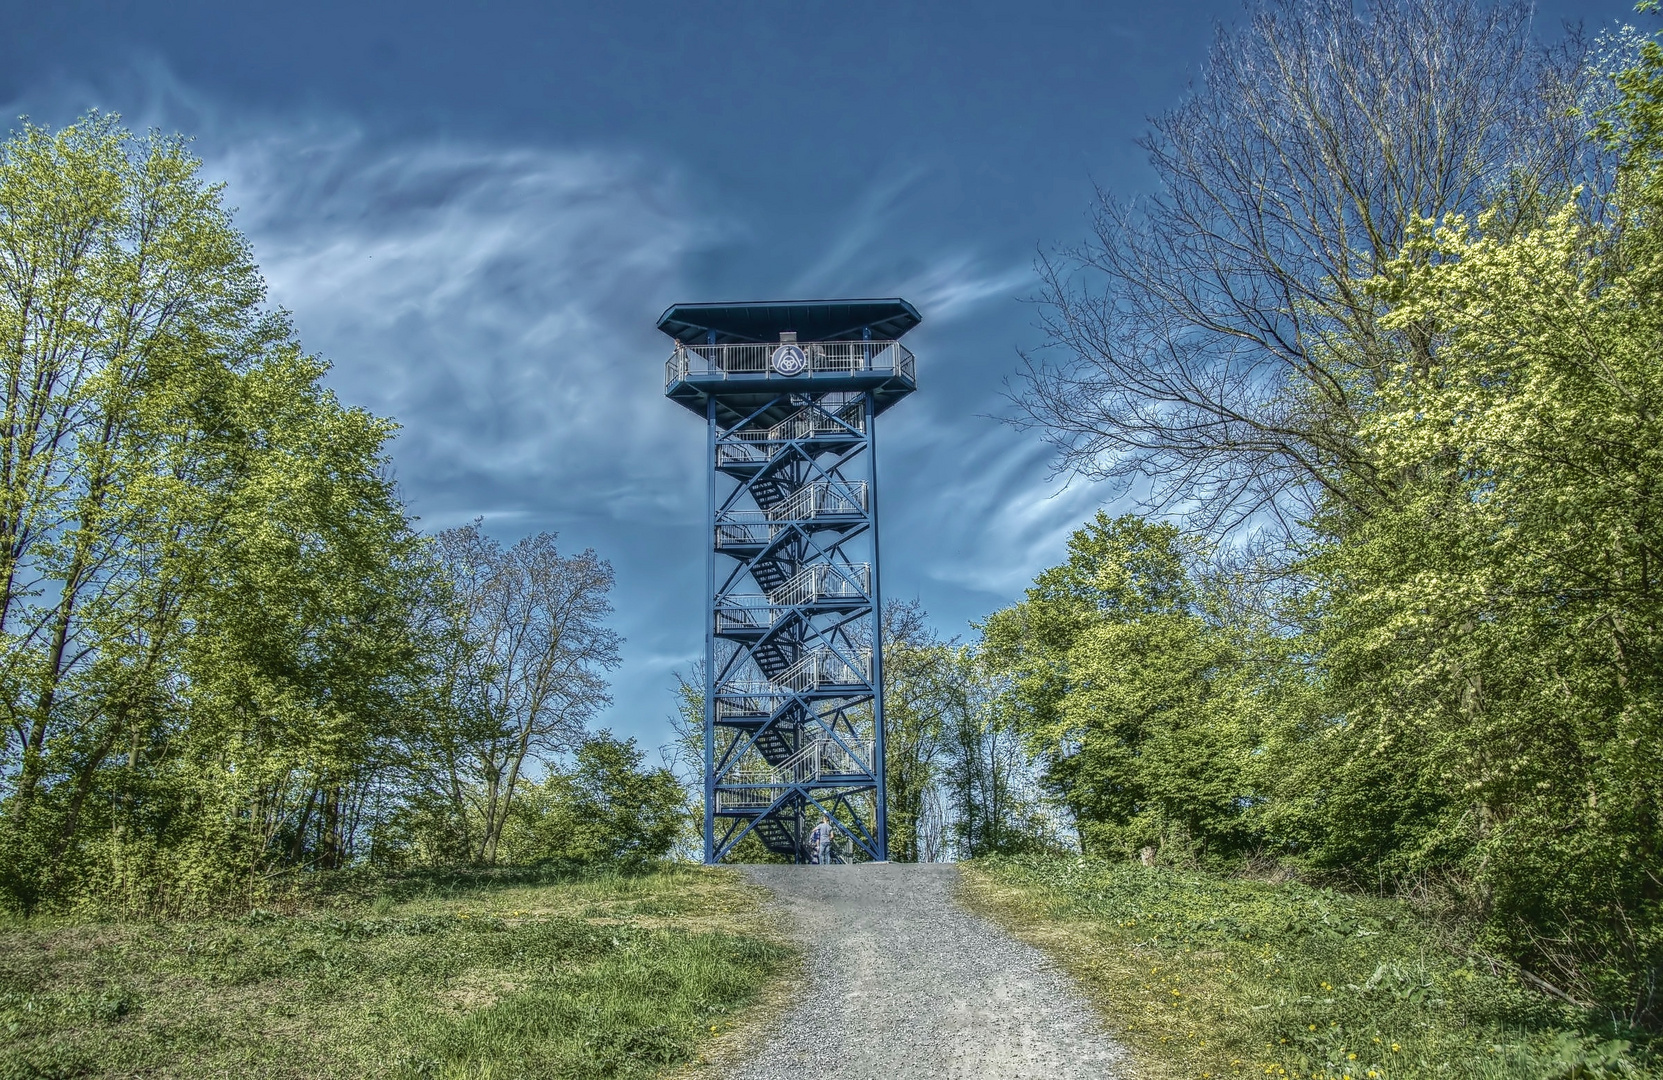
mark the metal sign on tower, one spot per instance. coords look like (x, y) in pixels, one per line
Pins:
(793, 695)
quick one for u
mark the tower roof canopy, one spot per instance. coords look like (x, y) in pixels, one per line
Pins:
(813, 320)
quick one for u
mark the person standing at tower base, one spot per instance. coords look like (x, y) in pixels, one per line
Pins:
(819, 842)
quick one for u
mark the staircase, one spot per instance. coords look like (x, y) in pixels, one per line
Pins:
(788, 464)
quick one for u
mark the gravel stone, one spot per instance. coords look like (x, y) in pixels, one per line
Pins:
(902, 984)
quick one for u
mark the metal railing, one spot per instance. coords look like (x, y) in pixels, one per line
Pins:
(749, 798)
(823, 667)
(759, 611)
(755, 360)
(749, 446)
(820, 498)
(820, 757)
(749, 697)
(826, 756)
(824, 581)
(745, 611)
(731, 533)
(818, 667)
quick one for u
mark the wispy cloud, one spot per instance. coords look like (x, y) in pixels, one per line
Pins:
(872, 252)
(959, 283)
(499, 300)
(862, 228)
(1007, 522)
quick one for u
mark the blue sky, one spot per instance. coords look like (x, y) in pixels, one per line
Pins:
(478, 211)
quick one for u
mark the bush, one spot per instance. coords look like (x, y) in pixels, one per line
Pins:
(607, 811)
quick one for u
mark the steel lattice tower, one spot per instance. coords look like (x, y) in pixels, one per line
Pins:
(793, 696)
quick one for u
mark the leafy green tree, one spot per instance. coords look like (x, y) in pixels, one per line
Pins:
(1489, 633)
(606, 810)
(991, 802)
(1130, 694)
(919, 694)
(201, 594)
(1506, 618)
(123, 286)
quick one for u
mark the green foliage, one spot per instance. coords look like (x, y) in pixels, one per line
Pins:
(1455, 685)
(605, 811)
(1491, 631)
(1133, 697)
(920, 691)
(225, 658)
(1229, 977)
(207, 577)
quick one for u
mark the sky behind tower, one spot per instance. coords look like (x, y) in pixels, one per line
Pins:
(478, 212)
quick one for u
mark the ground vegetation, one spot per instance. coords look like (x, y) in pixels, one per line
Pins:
(1203, 974)
(437, 973)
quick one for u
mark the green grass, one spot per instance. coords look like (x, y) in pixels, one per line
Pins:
(1213, 977)
(600, 976)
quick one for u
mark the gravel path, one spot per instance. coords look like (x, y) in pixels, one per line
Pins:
(902, 984)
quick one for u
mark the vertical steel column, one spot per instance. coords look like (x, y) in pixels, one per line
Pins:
(710, 637)
(878, 766)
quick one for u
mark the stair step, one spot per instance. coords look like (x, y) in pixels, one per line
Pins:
(775, 836)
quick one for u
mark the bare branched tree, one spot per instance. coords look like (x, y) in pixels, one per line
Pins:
(528, 651)
(1212, 340)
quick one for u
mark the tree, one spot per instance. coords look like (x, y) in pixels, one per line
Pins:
(124, 287)
(1131, 696)
(201, 587)
(1507, 618)
(1215, 339)
(605, 810)
(920, 694)
(991, 803)
(526, 647)
(1488, 635)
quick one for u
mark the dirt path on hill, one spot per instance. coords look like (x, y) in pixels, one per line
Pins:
(903, 984)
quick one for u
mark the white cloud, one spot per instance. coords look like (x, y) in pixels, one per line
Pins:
(959, 283)
(499, 301)
(871, 255)
(1008, 523)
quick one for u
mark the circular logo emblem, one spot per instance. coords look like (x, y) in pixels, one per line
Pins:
(788, 359)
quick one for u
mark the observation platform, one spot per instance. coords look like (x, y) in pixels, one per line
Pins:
(794, 693)
(747, 355)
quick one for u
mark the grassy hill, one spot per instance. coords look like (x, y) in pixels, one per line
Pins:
(599, 976)
(1212, 977)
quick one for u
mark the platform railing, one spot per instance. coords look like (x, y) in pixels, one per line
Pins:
(825, 756)
(759, 611)
(824, 581)
(747, 798)
(751, 446)
(818, 498)
(749, 697)
(821, 498)
(754, 360)
(823, 667)
(818, 758)
(818, 667)
(745, 611)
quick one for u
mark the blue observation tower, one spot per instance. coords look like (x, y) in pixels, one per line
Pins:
(793, 703)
